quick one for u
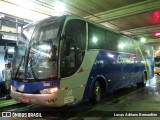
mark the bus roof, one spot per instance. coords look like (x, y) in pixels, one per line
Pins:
(92, 22)
(72, 17)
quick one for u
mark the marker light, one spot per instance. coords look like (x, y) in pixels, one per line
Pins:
(133, 57)
(157, 34)
(49, 90)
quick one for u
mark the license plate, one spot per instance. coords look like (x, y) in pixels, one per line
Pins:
(26, 100)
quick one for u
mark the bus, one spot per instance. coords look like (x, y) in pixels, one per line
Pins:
(69, 59)
(157, 63)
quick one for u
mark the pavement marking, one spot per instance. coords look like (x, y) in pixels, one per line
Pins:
(23, 108)
(4, 103)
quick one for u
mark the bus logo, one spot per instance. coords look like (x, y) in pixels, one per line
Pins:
(123, 60)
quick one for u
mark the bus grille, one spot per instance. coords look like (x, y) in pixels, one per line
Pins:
(36, 92)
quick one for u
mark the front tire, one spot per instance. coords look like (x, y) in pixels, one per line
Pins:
(144, 79)
(96, 93)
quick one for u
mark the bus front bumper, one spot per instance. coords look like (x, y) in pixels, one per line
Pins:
(53, 100)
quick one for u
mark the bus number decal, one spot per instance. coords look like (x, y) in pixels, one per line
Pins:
(46, 84)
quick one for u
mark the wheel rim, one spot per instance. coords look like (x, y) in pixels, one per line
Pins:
(97, 92)
(144, 78)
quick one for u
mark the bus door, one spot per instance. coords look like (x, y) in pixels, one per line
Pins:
(72, 52)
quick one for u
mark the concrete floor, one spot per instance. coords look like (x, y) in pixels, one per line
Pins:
(144, 101)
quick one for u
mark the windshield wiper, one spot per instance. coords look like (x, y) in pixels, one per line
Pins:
(33, 73)
(19, 67)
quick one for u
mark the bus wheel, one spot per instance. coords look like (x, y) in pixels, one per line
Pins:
(96, 93)
(143, 82)
(144, 79)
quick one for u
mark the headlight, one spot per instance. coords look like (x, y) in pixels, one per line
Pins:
(49, 90)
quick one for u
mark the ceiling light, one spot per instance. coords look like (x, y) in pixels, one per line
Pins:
(20, 11)
(59, 7)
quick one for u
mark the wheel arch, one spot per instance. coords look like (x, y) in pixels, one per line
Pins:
(146, 74)
(103, 83)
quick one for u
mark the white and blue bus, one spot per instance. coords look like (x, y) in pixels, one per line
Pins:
(67, 59)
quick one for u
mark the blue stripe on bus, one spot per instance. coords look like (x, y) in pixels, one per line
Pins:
(119, 75)
(30, 87)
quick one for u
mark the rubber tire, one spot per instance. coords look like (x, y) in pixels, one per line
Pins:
(144, 79)
(96, 93)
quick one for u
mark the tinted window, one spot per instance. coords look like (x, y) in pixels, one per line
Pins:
(75, 33)
(126, 44)
(76, 29)
(96, 37)
(147, 50)
(100, 38)
(111, 40)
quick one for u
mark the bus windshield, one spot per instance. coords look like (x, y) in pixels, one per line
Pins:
(18, 66)
(43, 50)
(40, 61)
